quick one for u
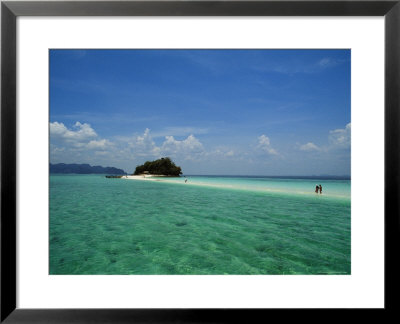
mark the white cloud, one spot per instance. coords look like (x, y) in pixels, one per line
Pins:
(264, 140)
(57, 129)
(328, 62)
(219, 153)
(341, 137)
(80, 143)
(78, 133)
(145, 139)
(190, 145)
(99, 145)
(54, 150)
(142, 145)
(144, 142)
(295, 67)
(325, 62)
(80, 137)
(265, 145)
(101, 153)
(338, 139)
(309, 147)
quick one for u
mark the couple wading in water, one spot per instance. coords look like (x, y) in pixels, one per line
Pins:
(318, 188)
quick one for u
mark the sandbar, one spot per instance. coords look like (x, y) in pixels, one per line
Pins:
(143, 177)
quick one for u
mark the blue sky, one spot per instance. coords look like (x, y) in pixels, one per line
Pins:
(234, 112)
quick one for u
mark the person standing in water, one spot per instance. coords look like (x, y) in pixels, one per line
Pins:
(320, 189)
(316, 189)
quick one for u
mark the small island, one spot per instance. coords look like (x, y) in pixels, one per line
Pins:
(160, 167)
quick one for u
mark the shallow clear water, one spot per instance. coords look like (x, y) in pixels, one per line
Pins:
(210, 225)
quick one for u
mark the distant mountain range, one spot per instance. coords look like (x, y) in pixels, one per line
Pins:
(83, 169)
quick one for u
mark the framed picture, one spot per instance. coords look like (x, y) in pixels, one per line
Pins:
(223, 154)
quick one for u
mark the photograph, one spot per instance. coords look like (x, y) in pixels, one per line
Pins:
(199, 161)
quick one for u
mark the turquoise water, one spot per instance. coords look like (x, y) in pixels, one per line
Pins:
(210, 225)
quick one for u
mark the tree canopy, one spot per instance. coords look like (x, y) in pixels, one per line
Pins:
(163, 166)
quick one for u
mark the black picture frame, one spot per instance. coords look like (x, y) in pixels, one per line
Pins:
(10, 10)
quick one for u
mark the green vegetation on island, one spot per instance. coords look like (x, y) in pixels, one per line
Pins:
(163, 166)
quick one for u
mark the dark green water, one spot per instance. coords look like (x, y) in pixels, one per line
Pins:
(115, 226)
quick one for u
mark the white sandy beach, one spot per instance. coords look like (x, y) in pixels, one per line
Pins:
(237, 186)
(152, 177)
